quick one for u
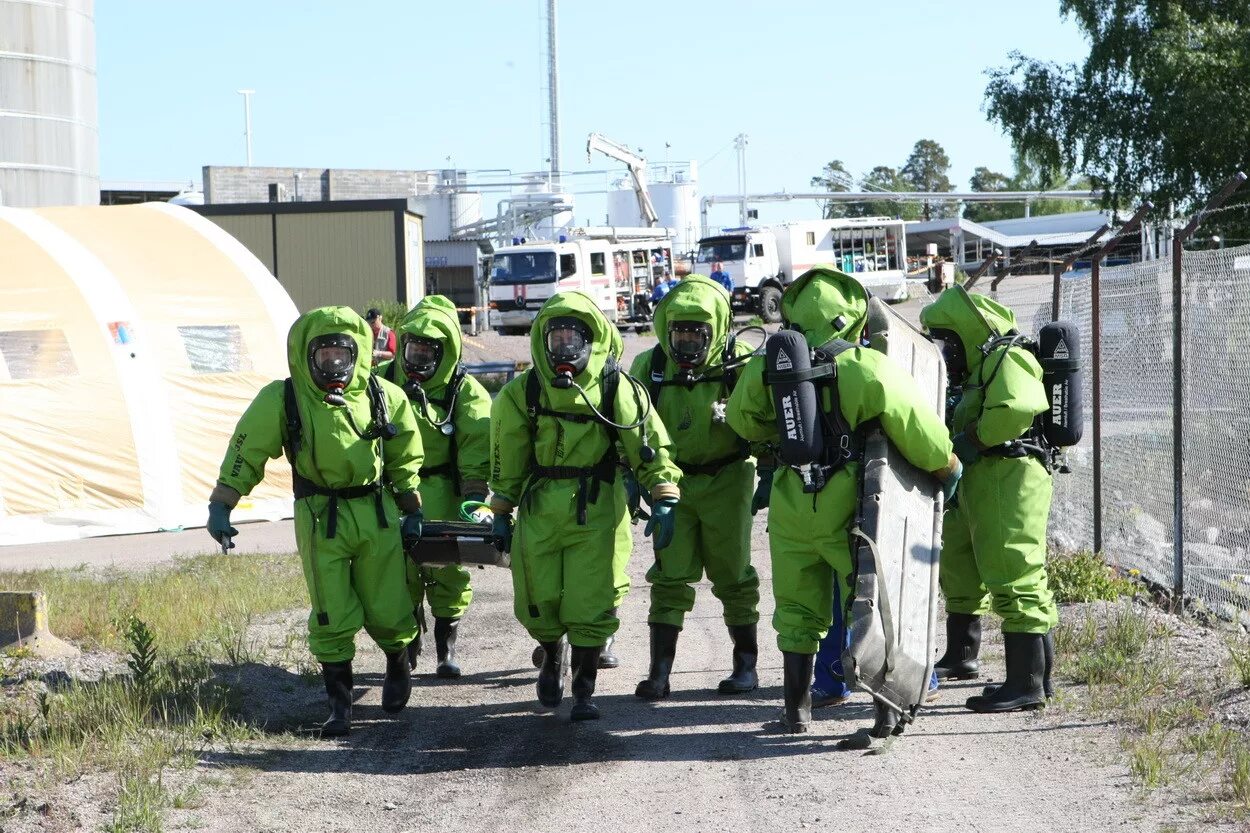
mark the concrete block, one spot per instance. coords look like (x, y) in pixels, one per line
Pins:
(24, 622)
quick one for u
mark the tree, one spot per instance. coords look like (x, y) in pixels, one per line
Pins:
(834, 178)
(925, 170)
(1160, 106)
(886, 179)
(985, 180)
(1028, 176)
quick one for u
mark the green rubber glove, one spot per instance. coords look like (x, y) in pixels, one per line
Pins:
(965, 449)
(410, 527)
(763, 491)
(663, 522)
(219, 525)
(502, 530)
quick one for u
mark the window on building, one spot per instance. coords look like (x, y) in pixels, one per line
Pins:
(568, 265)
(598, 263)
(35, 354)
(217, 348)
(811, 238)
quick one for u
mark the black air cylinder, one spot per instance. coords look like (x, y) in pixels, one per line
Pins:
(798, 414)
(1059, 353)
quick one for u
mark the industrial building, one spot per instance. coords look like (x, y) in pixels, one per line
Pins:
(49, 137)
(348, 252)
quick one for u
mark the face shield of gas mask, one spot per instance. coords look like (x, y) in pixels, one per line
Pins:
(332, 360)
(953, 353)
(567, 341)
(422, 356)
(689, 342)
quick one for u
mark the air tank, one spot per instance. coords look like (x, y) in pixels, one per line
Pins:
(49, 141)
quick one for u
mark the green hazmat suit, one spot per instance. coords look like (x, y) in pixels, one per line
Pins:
(714, 517)
(566, 575)
(442, 488)
(355, 576)
(808, 533)
(994, 539)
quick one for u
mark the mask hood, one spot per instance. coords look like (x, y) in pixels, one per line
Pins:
(327, 321)
(605, 340)
(826, 304)
(973, 317)
(697, 299)
(434, 318)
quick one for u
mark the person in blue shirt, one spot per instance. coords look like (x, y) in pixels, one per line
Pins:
(662, 288)
(722, 277)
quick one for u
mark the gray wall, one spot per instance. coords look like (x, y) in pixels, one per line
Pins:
(233, 184)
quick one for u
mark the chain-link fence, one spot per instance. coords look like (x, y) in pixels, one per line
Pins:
(1138, 506)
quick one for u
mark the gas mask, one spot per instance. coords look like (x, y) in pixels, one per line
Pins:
(422, 356)
(953, 352)
(689, 343)
(567, 341)
(332, 363)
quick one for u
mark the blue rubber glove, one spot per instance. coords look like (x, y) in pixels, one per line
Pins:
(502, 530)
(633, 494)
(219, 525)
(763, 491)
(663, 521)
(965, 449)
(950, 483)
(410, 527)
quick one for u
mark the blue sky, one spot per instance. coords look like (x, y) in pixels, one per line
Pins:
(375, 84)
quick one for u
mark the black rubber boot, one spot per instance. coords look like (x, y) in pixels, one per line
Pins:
(585, 669)
(963, 646)
(885, 722)
(743, 677)
(607, 656)
(338, 680)
(1026, 666)
(414, 647)
(797, 685)
(663, 650)
(397, 684)
(551, 674)
(1048, 648)
(536, 656)
(445, 630)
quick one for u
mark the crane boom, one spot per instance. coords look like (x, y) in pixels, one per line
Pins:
(637, 171)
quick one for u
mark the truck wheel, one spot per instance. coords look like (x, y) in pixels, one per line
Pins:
(770, 304)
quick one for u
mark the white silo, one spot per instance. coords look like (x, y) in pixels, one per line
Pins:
(49, 139)
(675, 197)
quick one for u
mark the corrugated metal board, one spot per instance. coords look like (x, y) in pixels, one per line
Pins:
(328, 258)
(255, 231)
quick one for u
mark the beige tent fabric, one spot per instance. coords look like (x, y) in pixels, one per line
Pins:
(131, 340)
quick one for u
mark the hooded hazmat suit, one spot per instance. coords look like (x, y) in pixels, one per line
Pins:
(714, 516)
(994, 539)
(566, 550)
(808, 533)
(350, 544)
(445, 482)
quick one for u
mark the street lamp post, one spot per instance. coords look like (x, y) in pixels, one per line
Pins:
(247, 121)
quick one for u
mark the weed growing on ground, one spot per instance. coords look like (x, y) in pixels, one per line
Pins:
(1085, 577)
(1239, 652)
(180, 602)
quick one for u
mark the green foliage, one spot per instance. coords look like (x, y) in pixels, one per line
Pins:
(1239, 652)
(925, 169)
(1160, 105)
(1028, 176)
(182, 602)
(1085, 577)
(834, 178)
(392, 311)
(142, 654)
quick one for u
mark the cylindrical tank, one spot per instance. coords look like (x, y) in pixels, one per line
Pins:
(676, 201)
(49, 140)
(466, 208)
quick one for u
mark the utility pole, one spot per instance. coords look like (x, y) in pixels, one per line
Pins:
(247, 121)
(740, 143)
(553, 93)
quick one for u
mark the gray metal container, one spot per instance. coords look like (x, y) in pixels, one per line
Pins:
(49, 139)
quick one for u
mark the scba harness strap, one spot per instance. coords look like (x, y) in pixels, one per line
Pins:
(589, 478)
(448, 401)
(302, 487)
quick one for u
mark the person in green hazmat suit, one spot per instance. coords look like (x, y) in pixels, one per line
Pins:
(808, 525)
(688, 384)
(355, 453)
(453, 412)
(994, 538)
(555, 434)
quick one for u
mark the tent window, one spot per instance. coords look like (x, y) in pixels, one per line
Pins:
(35, 354)
(215, 349)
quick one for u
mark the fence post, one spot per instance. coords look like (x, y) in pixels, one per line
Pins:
(1178, 390)
(1095, 290)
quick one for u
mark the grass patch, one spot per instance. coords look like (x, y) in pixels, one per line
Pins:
(1084, 577)
(1239, 653)
(181, 603)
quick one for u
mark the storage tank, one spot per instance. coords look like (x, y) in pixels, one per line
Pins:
(49, 141)
(676, 201)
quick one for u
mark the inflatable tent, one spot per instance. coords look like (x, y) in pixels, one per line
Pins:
(131, 340)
